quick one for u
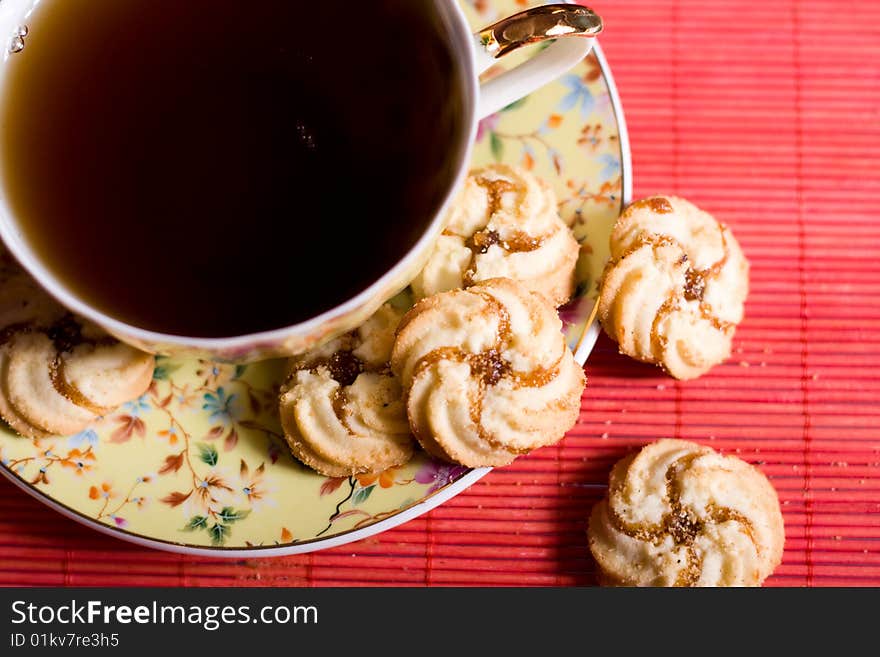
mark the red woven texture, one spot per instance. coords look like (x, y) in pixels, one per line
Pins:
(766, 114)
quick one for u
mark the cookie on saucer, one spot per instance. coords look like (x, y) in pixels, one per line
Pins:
(342, 409)
(674, 290)
(678, 514)
(504, 223)
(487, 373)
(59, 373)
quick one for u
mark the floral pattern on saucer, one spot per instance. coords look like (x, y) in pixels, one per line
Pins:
(199, 460)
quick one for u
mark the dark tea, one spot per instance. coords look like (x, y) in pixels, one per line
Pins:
(213, 168)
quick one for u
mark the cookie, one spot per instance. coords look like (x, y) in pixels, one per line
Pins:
(34, 388)
(504, 224)
(104, 373)
(678, 514)
(342, 409)
(58, 374)
(674, 289)
(16, 421)
(487, 373)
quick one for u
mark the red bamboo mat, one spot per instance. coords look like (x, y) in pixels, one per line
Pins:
(768, 115)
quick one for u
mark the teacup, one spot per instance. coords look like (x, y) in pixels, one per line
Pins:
(476, 54)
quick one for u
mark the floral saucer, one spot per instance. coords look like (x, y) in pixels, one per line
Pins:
(198, 464)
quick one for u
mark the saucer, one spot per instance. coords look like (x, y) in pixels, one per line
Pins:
(198, 465)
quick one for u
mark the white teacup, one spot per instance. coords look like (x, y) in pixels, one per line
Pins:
(477, 53)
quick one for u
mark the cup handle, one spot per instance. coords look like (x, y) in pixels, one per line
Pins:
(548, 22)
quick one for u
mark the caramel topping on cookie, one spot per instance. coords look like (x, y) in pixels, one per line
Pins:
(496, 188)
(519, 242)
(344, 367)
(656, 204)
(481, 241)
(694, 285)
(489, 367)
(65, 333)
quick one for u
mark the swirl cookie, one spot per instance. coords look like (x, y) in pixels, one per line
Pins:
(342, 408)
(678, 514)
(504, 224)
(487, 373)
(673, 292)
(58, 374)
